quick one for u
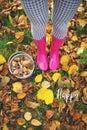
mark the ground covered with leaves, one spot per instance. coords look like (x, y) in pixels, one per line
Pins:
(51, 100)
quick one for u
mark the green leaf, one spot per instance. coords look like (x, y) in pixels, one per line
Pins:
(10, 19)
(68, 86)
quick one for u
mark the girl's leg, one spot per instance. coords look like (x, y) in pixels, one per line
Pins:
(63, 12)
(37, 12)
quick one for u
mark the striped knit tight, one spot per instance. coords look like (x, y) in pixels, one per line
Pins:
(37, 12)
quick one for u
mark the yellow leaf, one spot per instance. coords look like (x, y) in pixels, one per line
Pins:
(84, 118)
(48, 39)
(27, 116)
(80, 9)
(82, 22)
(45, 84)
(80, 50)
(22, 19)
(74, 38)
(65, 67)
(83, 45)
(69, 24)
(40, 93)
(56, 76)
(2, 59)
(30, 128)
(38, 78)
(21, 121)
(19, 35)
(17, 87)
(21, 95)
(48, 96)
(84, 74)
(72, 68)
(4, 127)
(35, 122)
(64, 60)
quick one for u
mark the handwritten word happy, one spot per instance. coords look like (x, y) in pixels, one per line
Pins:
(67, 96)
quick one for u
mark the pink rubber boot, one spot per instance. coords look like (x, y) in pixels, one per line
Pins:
(41, 54)
(54, 52)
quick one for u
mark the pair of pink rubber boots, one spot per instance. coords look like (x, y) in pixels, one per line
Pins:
(54, 60)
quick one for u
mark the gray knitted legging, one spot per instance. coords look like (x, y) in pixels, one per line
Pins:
(37, 12)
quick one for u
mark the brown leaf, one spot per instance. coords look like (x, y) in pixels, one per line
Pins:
(61, 106)
(5, 69)
(75, 115)
(14, 107)
(53, 126)
(30, 104)
(1, 67)
(55, 103)
(49, 114)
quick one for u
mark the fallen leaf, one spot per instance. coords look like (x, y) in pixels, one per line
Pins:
(4, 81)
(84, 118)
(64, 59)
(4, 127)
(20, 8)
(19, 34)
(72, 69)
(80, 9)
(5, 70)
(21, 121)
(49, 114)
(2, 59)
(80, 50)
(65, 67)
(82, 22)
(83, 45)
(38, 78)
(57, 124)
(27, 116)
(61, 106)
(14, 106)
(74, 38)
(56, 76)
(30, 128)
(52, 126)
(48, 39)
(48, 96)
(21, 95)
(69, 24)
(75, 115)
(22, 19)
(30, 104)
(49, 28)
(1, 67)
(17, 87)
(40, 93)
(45, 84)
(36, 122)
(83, 74)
